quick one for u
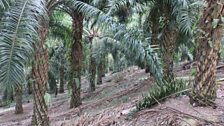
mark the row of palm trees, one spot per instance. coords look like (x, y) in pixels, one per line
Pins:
(24, 27)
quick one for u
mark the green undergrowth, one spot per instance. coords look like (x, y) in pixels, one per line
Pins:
(160, 92)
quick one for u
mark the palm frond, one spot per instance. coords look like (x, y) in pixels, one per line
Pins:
(139, 8)
(184, 16)
(59, 30)
(133, 41)
(158, 93)
(185, 21)
(5, 3)
(131, 45)
(82, 7)
(199, 3)
(114, 5)
(180, 13)
(90, 11)
(18, 33)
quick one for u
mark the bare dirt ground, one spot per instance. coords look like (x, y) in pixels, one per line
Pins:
(112, 102)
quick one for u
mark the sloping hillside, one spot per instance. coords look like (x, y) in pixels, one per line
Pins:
(113, 101)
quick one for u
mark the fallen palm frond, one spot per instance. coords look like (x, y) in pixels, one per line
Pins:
(158, 93)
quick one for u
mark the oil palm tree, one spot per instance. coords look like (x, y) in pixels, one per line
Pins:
(76, 54)
(40, 68)
(17, 49)
(26, 38)
(76, 58)
(208, 41)
(176, 18)
(92, 64)
(91, 34)
(77, 10)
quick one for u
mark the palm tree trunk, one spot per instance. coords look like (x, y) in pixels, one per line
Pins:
(104, 66)
(92, 71)
(61, 90)
(209, 40)
(40, 77)
(168, 52)
(39, 74)
(76, 60)
(169, 42)
(100, 71)
(29, 86)
(19, 100)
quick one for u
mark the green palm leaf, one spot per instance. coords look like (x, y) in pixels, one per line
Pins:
(5, 3)
(133, 41)
(87, 10)
(18, 33)
(114, 5)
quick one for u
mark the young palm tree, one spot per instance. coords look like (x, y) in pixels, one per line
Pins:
(209, 40)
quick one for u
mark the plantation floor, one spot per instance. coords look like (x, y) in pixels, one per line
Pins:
(112, 102)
